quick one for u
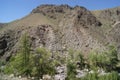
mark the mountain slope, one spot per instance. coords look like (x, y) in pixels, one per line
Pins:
(60, 28)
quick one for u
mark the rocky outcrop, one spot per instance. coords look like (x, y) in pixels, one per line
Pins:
(52, 11)
(3, 46)
(42, 36)
(8, 40)
(46, 9)
(85, 17)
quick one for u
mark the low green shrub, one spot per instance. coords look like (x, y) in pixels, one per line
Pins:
(94, 76)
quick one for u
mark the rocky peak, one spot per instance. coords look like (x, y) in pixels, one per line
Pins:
(79, 8)
(56, 8)
(80, 14)
(84, 17)
(45, 9)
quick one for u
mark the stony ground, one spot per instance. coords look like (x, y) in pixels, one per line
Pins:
(10, 77)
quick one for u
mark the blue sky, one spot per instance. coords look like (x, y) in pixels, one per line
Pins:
(15, 9)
